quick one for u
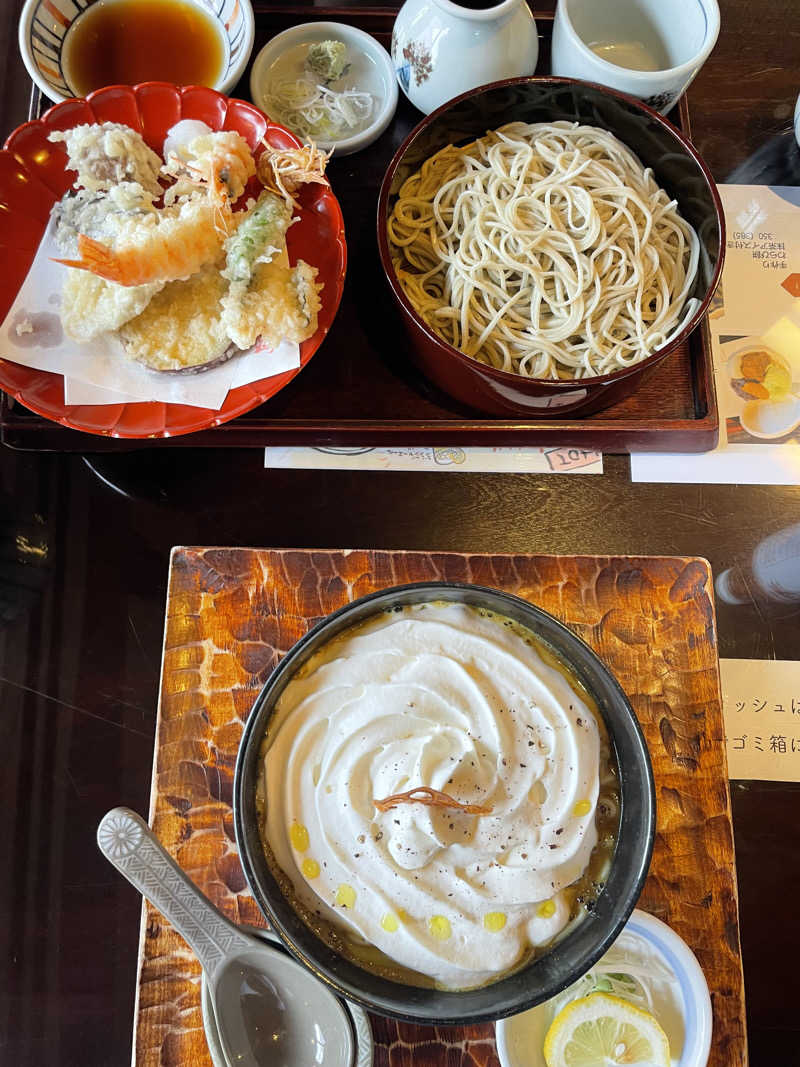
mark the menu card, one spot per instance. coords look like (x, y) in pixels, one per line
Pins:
(441, 458)
(761, 707)
(755, 329)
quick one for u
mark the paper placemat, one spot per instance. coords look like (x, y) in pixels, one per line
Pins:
(232, 613)
(454, 458)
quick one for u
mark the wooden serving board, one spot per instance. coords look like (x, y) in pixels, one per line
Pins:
(232, 613)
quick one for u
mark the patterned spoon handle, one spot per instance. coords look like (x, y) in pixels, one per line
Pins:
(127, 841)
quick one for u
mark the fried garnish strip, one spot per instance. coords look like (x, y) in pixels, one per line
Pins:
(433, 798)
(284, 170)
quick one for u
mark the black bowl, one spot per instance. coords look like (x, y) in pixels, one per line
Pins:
(678, 168)
(568, 958)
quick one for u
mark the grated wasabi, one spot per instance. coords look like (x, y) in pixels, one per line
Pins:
(327, 59)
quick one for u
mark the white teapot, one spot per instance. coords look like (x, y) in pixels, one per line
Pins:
(441, 49)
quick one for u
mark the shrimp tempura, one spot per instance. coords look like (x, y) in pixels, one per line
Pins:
(220, 161)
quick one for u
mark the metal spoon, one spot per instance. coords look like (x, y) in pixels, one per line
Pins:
(269, 1010)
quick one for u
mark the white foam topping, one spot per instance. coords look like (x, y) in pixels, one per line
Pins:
(443, 697)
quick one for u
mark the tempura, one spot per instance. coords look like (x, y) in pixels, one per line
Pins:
(182, 277)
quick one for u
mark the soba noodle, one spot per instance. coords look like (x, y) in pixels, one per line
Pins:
(547, 250)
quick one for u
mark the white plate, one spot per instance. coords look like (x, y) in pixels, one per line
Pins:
(764, 419)
(520, 1038)
(371, 71)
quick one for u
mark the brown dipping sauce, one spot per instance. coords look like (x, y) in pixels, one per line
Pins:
(130, 41)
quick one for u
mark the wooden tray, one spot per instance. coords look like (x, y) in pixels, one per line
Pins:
(232, 614)
(360, 388)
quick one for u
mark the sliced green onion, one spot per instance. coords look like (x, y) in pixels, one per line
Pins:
(314, 111)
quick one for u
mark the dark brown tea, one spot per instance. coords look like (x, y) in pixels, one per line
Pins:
(130, 41)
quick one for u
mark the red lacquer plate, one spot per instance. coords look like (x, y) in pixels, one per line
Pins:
(33, 176)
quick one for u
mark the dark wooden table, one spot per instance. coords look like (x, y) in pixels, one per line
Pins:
(84, 543)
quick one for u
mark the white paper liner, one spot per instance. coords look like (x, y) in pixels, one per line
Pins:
(98, 372)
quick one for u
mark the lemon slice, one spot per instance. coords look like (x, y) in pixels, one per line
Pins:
(601, 1031)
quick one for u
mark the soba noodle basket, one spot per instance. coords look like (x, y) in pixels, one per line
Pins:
(443, 337)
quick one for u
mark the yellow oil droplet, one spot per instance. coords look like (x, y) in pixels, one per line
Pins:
(546, 909)
(298, 835)
(494, 921)
(389, 922)
(583, 807)
(345, 896)
(439, 926)
(310, 868)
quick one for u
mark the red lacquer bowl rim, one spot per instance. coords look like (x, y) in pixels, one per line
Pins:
(517, 382)
(142, 419)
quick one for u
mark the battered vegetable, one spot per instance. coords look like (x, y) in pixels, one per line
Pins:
(179, 276)
(257, 238)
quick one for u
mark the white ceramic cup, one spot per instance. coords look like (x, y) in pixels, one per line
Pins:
(648, 48)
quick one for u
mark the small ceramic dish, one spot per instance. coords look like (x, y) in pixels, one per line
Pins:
(44, 28)
(362, 1031)
(370, 71)
(521, 1037)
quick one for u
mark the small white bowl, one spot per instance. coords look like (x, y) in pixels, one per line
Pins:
(375, 75)
(520, 1038)
(44, 25)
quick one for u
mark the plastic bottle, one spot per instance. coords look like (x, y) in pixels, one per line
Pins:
(773, 572)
